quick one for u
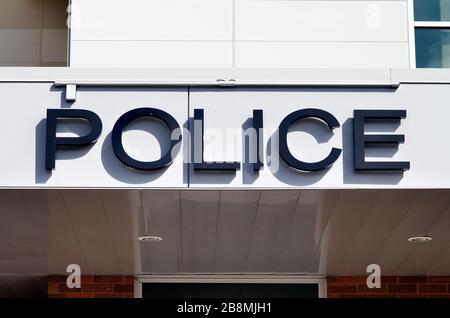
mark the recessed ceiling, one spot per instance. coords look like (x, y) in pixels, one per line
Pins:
(325, 232)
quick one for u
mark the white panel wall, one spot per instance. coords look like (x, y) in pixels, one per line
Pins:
(152, 33)
(163, 20)
(321, 20)
(240, 33)
(322, 54)
(151, 54)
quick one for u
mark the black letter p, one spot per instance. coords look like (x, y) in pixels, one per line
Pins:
(52, 142)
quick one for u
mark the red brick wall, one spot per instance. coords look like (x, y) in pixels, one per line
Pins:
(92, 287)
(391, 287)
(337, 287)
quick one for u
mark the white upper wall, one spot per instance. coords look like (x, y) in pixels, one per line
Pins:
(240, 33)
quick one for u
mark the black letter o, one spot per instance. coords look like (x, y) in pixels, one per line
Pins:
(125, 119)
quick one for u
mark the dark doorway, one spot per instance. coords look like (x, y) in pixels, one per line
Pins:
(232, 290)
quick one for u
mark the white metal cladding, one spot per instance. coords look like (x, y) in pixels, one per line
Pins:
(239, 33)
(24, 107)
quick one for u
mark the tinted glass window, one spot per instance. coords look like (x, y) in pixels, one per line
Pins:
(432, 47)
(432, 10)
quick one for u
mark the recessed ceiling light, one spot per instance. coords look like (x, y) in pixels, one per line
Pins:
(150, 238)
(420, 239)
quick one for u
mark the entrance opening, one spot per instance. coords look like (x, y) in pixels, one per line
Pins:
(224, 290)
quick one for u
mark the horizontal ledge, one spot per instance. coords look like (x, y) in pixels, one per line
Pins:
(224, 77)
(230, 83)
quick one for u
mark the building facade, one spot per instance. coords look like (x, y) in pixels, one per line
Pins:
(225, 148)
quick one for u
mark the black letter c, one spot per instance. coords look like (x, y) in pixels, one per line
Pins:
(285, 153)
